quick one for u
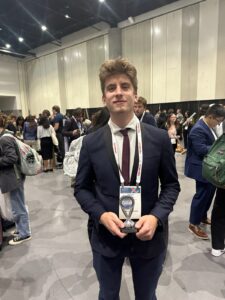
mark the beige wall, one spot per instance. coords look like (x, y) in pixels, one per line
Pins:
(68, 78)
(185, 53)
(12, 83)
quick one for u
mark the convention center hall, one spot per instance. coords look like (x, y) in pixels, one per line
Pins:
(112, 150)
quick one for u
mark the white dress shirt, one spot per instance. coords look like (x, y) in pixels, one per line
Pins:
(119, 140)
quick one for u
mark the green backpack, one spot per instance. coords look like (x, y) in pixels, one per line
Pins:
(213, 168)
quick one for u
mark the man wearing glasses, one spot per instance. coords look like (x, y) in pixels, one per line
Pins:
(200, 139)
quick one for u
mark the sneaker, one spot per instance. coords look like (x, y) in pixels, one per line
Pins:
(19, 240)
(206, 221)
(198, 232)
(216, 252)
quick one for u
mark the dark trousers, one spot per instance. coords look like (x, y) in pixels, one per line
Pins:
(201, 202)
(61, 145)
(185, 136)
(218, 221)
(145, 272)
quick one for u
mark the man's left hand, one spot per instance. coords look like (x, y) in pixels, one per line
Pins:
(146, 226)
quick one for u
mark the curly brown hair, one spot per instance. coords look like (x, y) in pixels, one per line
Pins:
(117, 66)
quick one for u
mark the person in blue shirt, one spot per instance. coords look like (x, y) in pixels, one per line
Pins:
(57, 123)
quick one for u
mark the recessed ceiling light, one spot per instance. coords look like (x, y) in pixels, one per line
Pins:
(21, 39)
(7, 46)
(101, 1)
(67, 16)
(44, 28)
(131, 20)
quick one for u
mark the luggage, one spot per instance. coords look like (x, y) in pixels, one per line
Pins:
(213, 167)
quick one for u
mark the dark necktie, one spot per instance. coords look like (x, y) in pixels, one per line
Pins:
(126, 157)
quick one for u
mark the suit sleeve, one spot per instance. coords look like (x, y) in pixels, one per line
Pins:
(199, 142)
(170, 187)
(84, 187)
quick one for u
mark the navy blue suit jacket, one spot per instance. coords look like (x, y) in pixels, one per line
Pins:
(97, 189)
(149, 119)
(200, 140)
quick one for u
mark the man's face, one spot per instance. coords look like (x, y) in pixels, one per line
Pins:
(139, 109)
(213, 121)
(119, 95)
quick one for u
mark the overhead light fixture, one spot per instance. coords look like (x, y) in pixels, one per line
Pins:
(21, 39)
(43, 28)
(131, 20)
(7, 46)
(101, 1)
(67, 16)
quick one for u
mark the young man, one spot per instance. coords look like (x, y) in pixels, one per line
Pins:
(118, 178)
(74, 127)
(140, 111)
(200, 140)
(12, 182)
(57, 123)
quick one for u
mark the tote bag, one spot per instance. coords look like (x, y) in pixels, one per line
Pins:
(5, 207)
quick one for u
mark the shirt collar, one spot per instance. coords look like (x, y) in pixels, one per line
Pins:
(131, 125)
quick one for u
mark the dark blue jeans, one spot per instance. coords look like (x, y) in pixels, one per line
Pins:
(20, 213)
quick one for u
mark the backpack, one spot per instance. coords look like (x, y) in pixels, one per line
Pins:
(30, 161)
(213, 167)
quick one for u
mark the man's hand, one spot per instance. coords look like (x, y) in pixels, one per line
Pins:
(146, 226)
(112, 223)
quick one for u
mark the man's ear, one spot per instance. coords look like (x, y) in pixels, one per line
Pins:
(135, 98)
(103, 100)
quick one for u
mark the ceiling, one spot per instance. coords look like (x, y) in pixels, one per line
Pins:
(24, 18)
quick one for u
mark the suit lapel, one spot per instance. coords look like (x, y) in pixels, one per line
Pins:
(135, 165)
(136, 158)
(108, 142)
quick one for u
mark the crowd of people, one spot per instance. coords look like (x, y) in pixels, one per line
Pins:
(124, 146)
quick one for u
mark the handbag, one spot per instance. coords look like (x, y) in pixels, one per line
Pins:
(5, 207)
(54, 138)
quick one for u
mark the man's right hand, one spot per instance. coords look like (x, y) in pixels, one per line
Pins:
(112, 223)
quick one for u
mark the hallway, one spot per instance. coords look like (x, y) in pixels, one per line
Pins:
(57, 263)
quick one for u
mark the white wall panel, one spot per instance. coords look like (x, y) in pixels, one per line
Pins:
(220, 86)
(76, 79)
(23, 88)
(43, 83)
(207, 53)
(96, 55)
(159, 59)
(136, 47)
(9, 79)
(173, 56)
